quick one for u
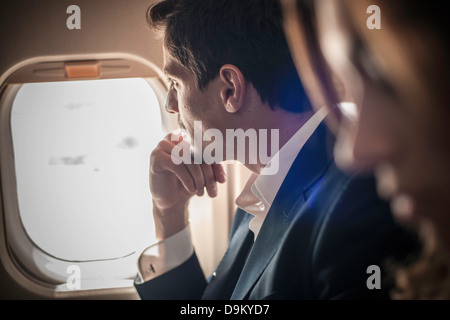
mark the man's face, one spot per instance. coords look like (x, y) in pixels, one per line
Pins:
(186, 100)
(400, 128)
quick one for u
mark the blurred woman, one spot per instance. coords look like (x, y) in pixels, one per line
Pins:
(398, 77)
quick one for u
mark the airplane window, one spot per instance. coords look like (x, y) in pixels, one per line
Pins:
(81, 152)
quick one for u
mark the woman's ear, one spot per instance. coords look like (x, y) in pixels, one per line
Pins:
(232, 92)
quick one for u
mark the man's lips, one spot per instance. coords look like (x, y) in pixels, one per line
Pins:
(183, 131)
(180, 123)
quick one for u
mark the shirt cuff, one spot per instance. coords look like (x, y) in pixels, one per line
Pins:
(164, 256)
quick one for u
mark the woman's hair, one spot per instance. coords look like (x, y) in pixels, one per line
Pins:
(204, 35)
(429, 276)
(329, 85)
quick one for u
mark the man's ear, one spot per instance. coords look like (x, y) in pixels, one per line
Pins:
(232, 92)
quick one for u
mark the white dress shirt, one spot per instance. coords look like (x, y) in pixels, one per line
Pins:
(256, 198)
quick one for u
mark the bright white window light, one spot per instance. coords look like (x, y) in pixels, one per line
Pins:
(81, 151)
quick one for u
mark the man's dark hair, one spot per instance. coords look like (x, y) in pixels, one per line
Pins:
(204, 35)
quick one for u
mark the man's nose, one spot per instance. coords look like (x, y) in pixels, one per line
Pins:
(171, 102)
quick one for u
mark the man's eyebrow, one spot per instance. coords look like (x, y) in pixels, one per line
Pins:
(168, 71)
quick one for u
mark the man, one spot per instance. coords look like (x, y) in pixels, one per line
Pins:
(305, 231)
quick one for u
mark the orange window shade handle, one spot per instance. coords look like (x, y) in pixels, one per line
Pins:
(88, 69)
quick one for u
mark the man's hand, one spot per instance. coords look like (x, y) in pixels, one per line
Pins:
(173, 185)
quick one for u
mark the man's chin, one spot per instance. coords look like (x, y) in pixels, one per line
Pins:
(181, 132)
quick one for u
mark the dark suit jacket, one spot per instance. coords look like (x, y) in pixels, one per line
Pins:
(324, 229)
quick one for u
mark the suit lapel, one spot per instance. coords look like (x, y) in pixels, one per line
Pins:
(224, 278)
(309, 166)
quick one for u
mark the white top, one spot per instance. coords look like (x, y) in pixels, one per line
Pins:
(256, 198)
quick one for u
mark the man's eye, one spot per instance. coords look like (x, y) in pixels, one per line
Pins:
(172, 83)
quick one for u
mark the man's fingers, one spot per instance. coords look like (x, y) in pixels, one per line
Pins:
(197, 176)
(180, 171)
(210, 180)
(200, 175)
(219, 172)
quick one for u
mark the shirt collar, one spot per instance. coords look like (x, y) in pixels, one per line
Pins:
(260, 190)
(266, 185)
